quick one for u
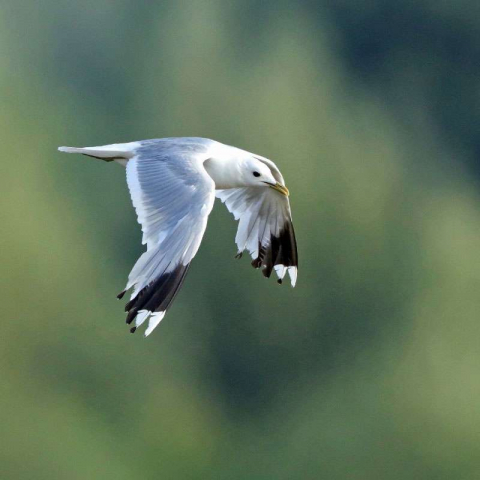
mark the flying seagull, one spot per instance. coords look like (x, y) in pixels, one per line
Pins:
(173, 183)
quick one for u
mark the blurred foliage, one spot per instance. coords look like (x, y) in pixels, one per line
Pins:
(369, 368)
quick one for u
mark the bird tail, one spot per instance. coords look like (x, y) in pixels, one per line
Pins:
(108, 153)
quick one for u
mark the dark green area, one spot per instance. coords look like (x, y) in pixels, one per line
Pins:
(369, 368)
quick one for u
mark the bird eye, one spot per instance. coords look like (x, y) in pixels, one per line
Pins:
(256, 174)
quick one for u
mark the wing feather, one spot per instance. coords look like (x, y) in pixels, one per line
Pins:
(265, 229)
(173, 196)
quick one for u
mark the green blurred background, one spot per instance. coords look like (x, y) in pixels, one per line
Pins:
(369, 369)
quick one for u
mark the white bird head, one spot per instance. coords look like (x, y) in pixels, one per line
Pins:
(255, 173)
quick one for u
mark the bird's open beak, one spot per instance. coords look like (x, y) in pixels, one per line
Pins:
(280, 188)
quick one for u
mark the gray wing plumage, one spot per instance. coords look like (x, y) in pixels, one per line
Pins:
(265, 229)
(173, 196)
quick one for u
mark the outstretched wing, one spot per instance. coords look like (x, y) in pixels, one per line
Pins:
(173, 196)
(265, 229)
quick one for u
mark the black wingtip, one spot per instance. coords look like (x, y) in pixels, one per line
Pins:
(131, 315)
(121, 294)
(281, 250)
(132, 330)
(256, 262)
(157, 295)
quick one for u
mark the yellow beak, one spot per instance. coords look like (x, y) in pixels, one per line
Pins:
(281, 188)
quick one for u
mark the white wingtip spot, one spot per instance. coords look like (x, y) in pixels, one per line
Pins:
(153, 322)
(142, 315)
(280, 270)
(292, 271)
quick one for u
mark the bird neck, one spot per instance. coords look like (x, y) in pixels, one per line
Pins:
(225, 172)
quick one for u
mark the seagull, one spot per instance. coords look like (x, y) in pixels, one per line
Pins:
(173, 183)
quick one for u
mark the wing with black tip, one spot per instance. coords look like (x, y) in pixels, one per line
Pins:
(265, 229)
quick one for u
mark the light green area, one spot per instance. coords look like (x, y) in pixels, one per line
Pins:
(369, 369)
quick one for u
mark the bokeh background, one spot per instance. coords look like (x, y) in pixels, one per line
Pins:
(370, 368)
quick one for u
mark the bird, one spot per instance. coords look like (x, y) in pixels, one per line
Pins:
(173, 183)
